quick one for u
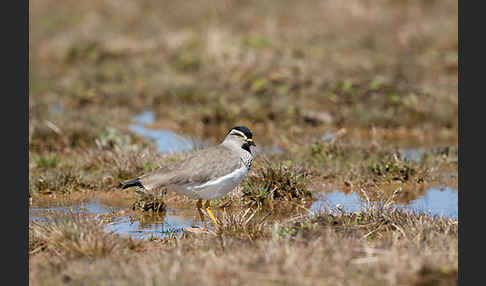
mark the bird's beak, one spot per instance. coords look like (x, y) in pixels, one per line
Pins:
(250, 142)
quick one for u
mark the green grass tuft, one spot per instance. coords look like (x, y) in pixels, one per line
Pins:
(277, 181)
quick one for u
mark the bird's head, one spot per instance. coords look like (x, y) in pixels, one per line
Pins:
(240, 136)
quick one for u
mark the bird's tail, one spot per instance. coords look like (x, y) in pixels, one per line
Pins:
(132, 183)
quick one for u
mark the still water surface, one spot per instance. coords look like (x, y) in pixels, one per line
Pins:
(440, 201)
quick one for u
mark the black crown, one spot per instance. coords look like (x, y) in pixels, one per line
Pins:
(244, 130)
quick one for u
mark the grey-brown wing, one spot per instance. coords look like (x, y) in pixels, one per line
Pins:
(200, 167)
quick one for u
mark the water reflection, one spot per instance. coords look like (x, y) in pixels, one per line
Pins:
(351, 202)
(44, 214)
(413, 154)
(435, 201)
(143, 226)
(156, 226)
(419, 153)
(167, 141)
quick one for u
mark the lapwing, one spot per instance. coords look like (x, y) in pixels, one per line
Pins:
(207, 174)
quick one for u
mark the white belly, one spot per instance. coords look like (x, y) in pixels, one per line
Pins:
(216, 188)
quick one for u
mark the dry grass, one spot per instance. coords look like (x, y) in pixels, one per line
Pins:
(74, 238)
(378, 246)
(376, 74)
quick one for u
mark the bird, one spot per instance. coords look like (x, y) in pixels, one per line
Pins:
(207, 174)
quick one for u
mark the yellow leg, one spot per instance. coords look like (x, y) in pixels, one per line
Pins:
(210, 213)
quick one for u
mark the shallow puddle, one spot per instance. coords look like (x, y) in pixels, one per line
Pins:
(173, 221)
(418, 153)
(435, 201)
(155, 226)
(167, 141)
(413, 154)
(54, 212)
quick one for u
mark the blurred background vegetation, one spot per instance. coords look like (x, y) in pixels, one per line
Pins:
(288, 69)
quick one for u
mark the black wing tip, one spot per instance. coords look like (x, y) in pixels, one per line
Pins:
(131, 183)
